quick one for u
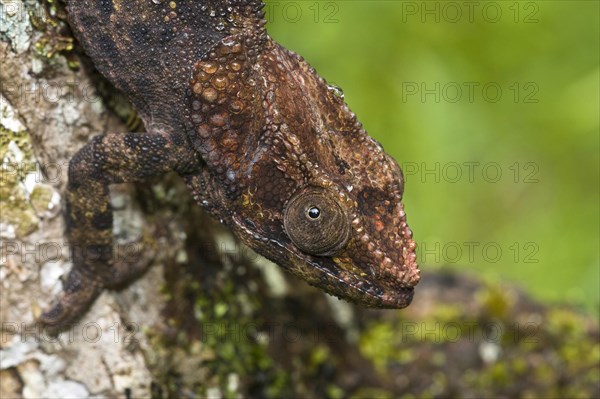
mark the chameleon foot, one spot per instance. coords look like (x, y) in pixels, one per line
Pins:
(79, 293)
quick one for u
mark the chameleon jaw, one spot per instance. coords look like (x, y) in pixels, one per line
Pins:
(325, 274)
(379, 283)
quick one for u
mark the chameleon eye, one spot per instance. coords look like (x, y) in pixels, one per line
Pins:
(316, 222)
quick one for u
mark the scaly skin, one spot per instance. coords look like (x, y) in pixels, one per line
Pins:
(263, 143)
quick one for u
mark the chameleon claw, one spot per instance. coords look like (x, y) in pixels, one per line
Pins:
(67, 309)
(75, 299)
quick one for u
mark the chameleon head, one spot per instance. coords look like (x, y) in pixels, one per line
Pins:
(345, 234)
(322, 199)
(360, 242)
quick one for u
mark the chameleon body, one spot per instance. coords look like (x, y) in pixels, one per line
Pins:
(261, 140)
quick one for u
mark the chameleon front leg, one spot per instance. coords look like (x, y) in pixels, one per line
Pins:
(107, 159)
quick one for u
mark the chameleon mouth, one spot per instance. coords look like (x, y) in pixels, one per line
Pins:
(355, 288)
(325, 274)
(372, 293)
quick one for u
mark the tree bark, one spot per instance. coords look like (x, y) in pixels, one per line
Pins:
(48, 112)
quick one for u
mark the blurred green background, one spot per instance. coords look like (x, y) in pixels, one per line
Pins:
(492, 109)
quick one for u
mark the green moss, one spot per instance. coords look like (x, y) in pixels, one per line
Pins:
(377, 344)
(446, 313)
(319, 356)
(564, 323)
(335, 392)
(40, 198)
(17, 163)
(495, 300)
(538, 350)
(519, 366)
(222, 335)
(54, 40)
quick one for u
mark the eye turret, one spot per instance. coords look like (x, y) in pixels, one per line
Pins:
(316, 222)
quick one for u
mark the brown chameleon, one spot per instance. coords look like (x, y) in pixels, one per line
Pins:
(261, 140)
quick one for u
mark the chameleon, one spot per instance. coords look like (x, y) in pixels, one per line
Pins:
(264, 144)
